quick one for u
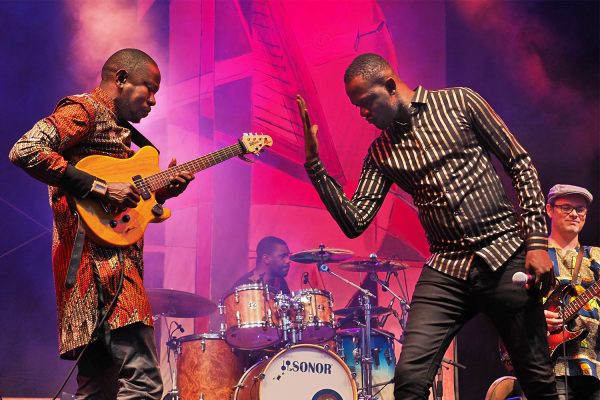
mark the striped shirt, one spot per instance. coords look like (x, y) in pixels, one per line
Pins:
(443, 160)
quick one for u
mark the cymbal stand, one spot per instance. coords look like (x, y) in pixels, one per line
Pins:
(366, 360)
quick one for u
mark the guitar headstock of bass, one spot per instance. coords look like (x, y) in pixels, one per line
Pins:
(255, 142)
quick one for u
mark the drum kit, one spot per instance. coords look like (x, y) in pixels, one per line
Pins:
(298, 348)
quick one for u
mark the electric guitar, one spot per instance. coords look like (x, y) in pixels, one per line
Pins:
(120, 228)
(565, 294)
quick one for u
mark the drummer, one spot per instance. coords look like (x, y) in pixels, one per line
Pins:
(272, 265)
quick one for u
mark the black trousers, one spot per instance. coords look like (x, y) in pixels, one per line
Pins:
(127, 369)
(441, 305)
(579, 388)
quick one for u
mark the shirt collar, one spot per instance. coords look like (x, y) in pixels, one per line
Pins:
(105, 100)
(553, 245)
(420, 97)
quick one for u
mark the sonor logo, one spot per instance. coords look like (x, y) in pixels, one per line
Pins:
(306, 367)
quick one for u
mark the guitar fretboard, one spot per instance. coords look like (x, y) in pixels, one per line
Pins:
(162, 179)
(570, 310)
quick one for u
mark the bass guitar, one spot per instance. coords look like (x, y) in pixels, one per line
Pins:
(565, 295)
(120, 228)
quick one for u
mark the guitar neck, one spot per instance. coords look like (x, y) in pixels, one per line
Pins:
(580, 301)
(161, 179)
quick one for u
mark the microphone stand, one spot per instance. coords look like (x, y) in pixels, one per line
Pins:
(366, 361)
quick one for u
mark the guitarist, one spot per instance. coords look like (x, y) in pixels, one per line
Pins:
(567, 208)
(121, 360)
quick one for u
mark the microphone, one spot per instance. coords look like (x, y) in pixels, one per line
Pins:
(523, 280)
(305, 278)
(179, 327)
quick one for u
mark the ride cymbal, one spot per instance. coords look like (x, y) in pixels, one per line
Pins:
(175, 303)
(373, 265)
(322, 254)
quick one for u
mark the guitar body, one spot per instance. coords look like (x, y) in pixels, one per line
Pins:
(562, 295)
(115, 228)
(129, 225)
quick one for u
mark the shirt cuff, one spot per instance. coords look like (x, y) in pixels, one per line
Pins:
(76, 182)
(536, 241)
(314, 167)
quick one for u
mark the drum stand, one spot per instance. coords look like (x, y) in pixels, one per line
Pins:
(175, 346)
(366, 360)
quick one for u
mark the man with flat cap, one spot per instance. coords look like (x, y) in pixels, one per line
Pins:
(577, 365)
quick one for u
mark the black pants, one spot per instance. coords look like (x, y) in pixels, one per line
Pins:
(127, 369)
(441, 305)
(580, 387)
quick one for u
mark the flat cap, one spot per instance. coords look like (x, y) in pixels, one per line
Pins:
(560, 190)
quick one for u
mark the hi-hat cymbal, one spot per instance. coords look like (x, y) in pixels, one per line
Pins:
(376, 310)
(322, 254)
(373, 265)
(175, 303)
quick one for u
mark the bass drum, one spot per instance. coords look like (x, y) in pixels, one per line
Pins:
(302, 372)
(208, 368)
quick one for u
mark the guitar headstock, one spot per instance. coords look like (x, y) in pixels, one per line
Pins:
(254, 142)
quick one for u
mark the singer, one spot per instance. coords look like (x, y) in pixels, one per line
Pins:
(437, 145)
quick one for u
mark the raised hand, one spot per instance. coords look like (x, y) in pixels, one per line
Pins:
(311, 144)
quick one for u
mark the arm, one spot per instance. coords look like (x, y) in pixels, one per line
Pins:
(39, 153)
(353, 216)
(496, 137)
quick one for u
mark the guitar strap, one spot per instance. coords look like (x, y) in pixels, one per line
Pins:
(575, 277)
(140, 140)
(75, 254)
(137, 137)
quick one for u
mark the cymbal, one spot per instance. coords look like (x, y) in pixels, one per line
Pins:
(373, 265)
(175, 303)
(323, 254)
(376, 310)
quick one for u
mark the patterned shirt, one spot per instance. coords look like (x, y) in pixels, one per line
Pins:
(83, 125)
(443, 160)
(583, 357)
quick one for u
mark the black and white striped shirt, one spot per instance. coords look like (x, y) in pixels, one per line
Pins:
(444, 162)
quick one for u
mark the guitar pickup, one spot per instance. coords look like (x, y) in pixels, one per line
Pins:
(141, 186)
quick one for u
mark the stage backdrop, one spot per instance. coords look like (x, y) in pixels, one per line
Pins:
(230, 67)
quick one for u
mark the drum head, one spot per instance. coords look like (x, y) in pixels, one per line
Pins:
(307, 372)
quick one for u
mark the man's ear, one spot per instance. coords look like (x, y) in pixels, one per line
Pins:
(548, 209)
(121, 77)
(390, 85)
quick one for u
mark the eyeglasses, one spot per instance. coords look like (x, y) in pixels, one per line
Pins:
(568, 208)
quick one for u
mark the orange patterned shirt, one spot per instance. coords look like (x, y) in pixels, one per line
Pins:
(83, 125)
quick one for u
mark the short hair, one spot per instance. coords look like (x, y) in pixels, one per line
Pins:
(369, 66)
(127, 59)
(267, 245)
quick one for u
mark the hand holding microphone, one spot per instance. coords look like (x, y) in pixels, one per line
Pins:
(522, 279)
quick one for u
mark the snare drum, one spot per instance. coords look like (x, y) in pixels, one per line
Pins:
(314, 315)
(208, 368)
(251, 319)
(302, 372)
(382, 352)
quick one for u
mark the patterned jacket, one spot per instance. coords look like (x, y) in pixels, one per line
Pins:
(80, 126)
